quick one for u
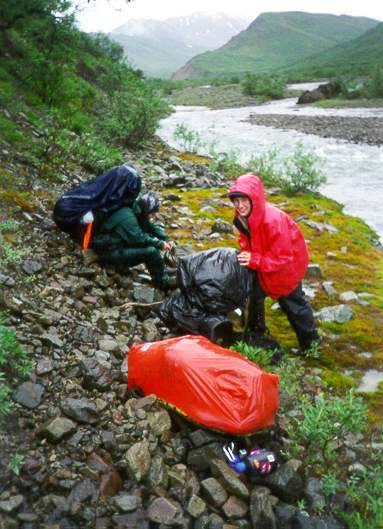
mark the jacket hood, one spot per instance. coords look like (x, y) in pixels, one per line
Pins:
(251, 186)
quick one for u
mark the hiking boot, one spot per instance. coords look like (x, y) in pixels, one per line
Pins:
(261, 341)
(217, 330)
(169, 283)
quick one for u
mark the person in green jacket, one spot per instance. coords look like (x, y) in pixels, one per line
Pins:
(130, 237)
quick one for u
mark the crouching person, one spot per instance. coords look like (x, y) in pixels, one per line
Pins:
(130, 237)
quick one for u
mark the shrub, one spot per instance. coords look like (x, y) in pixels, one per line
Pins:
(9, 255)
(190, 140)
(265, 85)
(13, 361)
(375, 82)
(326, 420)
(300, 173)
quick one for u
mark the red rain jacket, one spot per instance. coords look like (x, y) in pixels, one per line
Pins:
(278, 249)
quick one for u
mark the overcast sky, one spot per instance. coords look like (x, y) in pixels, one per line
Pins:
(105, 15)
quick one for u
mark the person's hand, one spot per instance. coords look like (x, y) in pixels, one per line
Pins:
(168, 245)
(244, 258)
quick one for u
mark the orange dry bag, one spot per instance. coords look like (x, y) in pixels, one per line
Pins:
(213, 386)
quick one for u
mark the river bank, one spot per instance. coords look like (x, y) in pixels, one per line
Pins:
(94, 455)
(368, 130)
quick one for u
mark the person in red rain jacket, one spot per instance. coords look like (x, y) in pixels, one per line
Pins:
(273, 246)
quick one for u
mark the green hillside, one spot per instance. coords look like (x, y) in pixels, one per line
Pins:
(73, 90)
(355, 56)
(274, 41)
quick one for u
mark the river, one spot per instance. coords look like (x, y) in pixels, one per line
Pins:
(354, 171)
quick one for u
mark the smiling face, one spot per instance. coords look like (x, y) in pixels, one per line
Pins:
(242, 206)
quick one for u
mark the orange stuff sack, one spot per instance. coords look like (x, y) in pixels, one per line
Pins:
(211, 385)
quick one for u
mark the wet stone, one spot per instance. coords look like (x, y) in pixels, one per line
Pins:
(31, 267)
(143, 294)
(44, 366)
(285, 481)
(229, 478)
(11, 504)
(138, 460)
(159, 421)
(81, 410)
(234, 508)
(196, 506)
(127, 503)
(337, 314)
(161, 510)
(214, 491)
(58, 428)
(29, 395)
(261, 511)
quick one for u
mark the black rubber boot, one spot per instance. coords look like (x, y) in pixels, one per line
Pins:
(217, 330)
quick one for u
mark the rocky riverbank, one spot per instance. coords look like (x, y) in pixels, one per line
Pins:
(97, 456)
(355, 130)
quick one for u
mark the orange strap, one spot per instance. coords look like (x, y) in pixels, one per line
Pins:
(85, 242)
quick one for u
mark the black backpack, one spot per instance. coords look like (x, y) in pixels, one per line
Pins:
(102, 195)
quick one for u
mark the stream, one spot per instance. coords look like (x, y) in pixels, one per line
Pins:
(354, 171)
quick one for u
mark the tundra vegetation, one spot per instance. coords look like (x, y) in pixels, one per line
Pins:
(70, 105)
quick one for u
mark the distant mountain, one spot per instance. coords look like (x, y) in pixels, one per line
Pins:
(358, 54)
(159, 48)
(274, 41)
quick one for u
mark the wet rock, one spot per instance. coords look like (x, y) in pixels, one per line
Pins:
(44, 366)
(81, 410)
(31, 267)
(127, 502)
(314, 270)
(261, 510)
(196, 506)
(234, 508)
(229, 478)
(134, 520)
(162, 510)
(284, 514)
(302, 521)
(200, 458)
(6, 280)
(214, 491)
(329, 289)
(12, 503)
(58, 428)
(314, 493)
(337, 314)
(143, 294)
(159, 421)
(83, 491)
(29, 395)
(348, 296)
(53, 339)
(138, 460)
(94, 375)
(158, 474)
(222, 226)
(285, 481)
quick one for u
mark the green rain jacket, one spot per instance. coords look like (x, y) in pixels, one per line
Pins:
(127, 228)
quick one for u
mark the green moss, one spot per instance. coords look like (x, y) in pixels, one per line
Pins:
(337, 381)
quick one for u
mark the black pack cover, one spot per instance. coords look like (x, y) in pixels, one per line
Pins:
(103, 194)
(212, 283)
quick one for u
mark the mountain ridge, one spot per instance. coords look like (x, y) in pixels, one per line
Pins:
(275, 40)
(159, 48)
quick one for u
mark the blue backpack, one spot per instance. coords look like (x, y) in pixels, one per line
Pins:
(102, 195)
